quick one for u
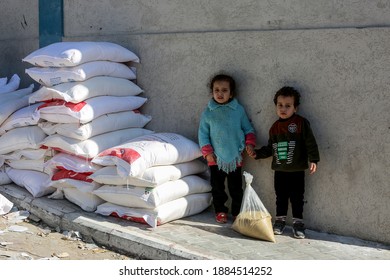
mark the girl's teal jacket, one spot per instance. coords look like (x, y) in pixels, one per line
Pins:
(223, 129)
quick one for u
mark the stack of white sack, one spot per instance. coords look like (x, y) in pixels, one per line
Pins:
(152, 179)
(21, 155)
(79, 61)
(89, 104)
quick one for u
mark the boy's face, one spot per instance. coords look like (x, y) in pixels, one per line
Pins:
(221, 92)
(285, 107)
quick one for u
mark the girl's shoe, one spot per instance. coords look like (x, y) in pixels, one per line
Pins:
(221, 217)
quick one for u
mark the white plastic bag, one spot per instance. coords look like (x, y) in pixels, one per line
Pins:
(5, 205)
(254, 220)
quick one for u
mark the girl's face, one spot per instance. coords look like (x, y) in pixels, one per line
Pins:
(285, 107)
(221, 92)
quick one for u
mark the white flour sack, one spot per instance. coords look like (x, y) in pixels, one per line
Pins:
(79, 91)
(100, 125)
(9, 103)
(85, 200)
(92, 147)
(69, 162)
(36, 153)
(17, 93)
(153, 176)
(35, 182)
(21, 138)
(12, 85)
(64, 54)
(142, 197)
(53, 76)
(32, 159)
(60, 111)
(4, 178)
(77, 190)
(25, 116)
(176, 209)
(4, 97)
(133, 157)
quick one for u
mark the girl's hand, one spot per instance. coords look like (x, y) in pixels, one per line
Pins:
(211, 158)
(251, 151)
(313, 167)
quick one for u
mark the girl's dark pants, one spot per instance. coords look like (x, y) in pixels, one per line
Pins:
(234, 183)
(289, 186)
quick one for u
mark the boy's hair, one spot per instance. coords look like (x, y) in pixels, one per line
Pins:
(288, 91)
(226, 78)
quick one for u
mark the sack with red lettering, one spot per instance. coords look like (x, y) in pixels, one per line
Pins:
(92, 147)
(176, 209)
(60, 111)
(77, 188)
(133, 157)
(69, 162)
(142, 197)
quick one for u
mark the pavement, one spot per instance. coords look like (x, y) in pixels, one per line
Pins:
(197, 237)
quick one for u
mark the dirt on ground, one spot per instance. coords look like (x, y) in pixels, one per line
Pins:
(24, 237)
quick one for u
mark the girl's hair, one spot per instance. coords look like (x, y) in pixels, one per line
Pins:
(288, 91)
(226, 78)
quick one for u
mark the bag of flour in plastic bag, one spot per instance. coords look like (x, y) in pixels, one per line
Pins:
(254, 220)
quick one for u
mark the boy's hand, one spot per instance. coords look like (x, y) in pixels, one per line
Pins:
(313, 167)
(251, 151)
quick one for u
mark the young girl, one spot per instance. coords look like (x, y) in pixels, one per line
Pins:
(224, 132)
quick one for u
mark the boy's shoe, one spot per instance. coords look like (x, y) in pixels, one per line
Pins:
(279, 227)
(299, 230)
(221, 217)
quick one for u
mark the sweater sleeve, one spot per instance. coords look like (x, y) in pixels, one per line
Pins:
(250, 139)
(265, 151)
(204, 132)
(247, 127)
(206, 150)
(311, 144)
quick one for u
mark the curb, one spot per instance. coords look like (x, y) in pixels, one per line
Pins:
(114, 233)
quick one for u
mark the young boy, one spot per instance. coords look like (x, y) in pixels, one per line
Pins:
(292, 145)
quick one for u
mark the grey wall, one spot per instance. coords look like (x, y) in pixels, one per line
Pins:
(335, 52)
(18, 36)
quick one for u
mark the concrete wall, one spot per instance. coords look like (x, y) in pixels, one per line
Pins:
(18, 36)
(335, 52)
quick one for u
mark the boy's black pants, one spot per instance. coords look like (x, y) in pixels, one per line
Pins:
(289, 186)
(234, 184)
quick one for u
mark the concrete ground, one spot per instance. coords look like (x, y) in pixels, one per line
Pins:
(197, 237)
